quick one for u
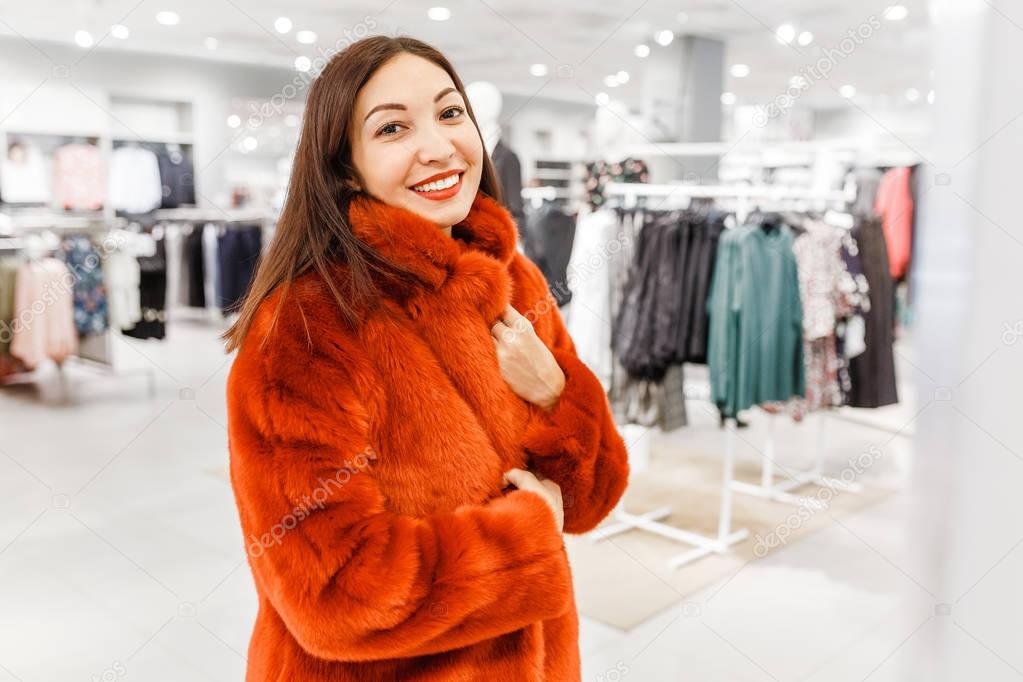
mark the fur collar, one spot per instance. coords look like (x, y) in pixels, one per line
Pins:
(416, 243)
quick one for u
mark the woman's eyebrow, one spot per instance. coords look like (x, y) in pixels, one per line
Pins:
(402, 107)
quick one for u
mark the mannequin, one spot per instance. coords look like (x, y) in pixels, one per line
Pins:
(486, 102)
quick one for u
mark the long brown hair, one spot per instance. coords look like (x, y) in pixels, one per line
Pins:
(313, 229)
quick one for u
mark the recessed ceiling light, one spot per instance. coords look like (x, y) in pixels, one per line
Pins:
(602, 98)
(250, 143)
(896, 13)
(642, 50)
(168, 18)
(785, 34)
(233, 121)
(306, 37)
(439, 13)
(913, 95)
(210, 43)
(538, 70)
(728, 98)
(83, 39)
(623, 76)
(847, 91)
(303, 63)
(120, 31)
(282, 24)
(611, 81)
(664, 37)
(805, 38)
(740, 70)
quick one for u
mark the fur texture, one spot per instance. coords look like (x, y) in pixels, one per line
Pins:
(367, 470)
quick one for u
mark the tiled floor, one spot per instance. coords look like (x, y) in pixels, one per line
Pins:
(120, 554)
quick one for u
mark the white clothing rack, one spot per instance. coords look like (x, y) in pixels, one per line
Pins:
(726, 536)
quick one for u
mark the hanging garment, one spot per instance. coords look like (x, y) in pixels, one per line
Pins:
(24, 175)
(589, 320)
(549, 237)
(895, 207)
(755, 352)
(135, 185)
(873, 371)
(173, 245)
(152, 295)
(195, 262)
(177, 179)
(90, 295)
(867, 181)
(599, 173)
(211, 272)
(78, 177)
(704, 251)
(238, 250)
(456, 580)
(122, 276)
(43, 324)
(509, 174)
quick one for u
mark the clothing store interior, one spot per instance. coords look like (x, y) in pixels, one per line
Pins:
(777, 233)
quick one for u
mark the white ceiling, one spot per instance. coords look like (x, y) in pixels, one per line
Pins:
(498, 40)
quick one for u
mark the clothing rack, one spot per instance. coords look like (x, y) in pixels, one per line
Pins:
(100, 344)
(630, 194)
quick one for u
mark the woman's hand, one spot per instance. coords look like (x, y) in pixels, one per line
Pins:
(544, 487)
(526, 363)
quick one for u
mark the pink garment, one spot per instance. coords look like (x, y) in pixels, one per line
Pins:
(44, 321)
(894, 204)
(78, 178)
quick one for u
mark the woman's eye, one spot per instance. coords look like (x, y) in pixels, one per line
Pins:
(389, 129)
(457, 110)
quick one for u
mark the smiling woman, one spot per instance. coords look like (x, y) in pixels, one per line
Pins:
(396, 342)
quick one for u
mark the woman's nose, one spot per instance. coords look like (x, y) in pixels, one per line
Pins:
(434, 145)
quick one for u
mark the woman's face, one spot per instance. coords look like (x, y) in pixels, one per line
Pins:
(413, 143)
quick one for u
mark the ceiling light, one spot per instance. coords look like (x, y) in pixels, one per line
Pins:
(83, 38)
(303, 63)
(602, 98)
(664, 37)
(538, 70)
(847, 91)
(282, 25)
(120, 31)
(805, 38)
(210, 43)
(439, 13)
(728, 98)
(642, 50)
(233, 121)
(623, 76)
(930, 97)
(785, 34)
(250, 143)
(168, 18)
(611, 81)
(740, 70)
(896, 13)
(306, 37)
(913, 95)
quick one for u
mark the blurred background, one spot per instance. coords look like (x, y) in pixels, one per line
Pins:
(863, 525)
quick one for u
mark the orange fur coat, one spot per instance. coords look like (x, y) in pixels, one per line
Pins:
(367, 469)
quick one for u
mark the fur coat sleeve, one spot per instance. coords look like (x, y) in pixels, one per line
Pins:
(576, 444)
(353, 581)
